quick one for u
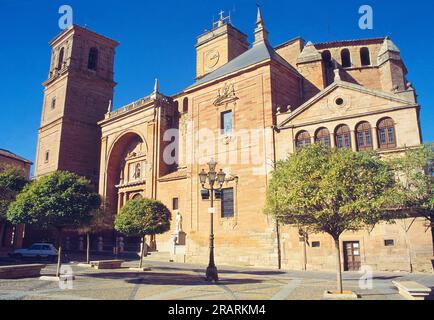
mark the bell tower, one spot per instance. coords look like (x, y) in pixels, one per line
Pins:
(217, 47)
(77, 94)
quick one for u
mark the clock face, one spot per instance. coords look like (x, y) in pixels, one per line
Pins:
(212, 58)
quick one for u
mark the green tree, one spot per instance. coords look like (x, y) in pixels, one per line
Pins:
(416, 182)
(12, 181)
(330, 192)
(99, 222)
(143, 217)
(59, 201)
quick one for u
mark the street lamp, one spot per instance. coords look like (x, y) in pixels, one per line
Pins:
(212, 177)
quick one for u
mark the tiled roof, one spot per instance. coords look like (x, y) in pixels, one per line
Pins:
(322, 45)
(8, 154)
(258, 53)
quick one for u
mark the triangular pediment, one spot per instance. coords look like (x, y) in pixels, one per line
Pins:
(343, 99)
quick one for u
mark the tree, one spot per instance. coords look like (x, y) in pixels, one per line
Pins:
(60, 201)
(143, 217)
(416, 182)
(330, 192)
(12, 181)
(97, 224)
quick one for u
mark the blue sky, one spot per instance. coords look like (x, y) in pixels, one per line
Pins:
(158, 37)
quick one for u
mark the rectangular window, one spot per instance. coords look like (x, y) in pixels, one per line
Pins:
(316, 244)
(47, 156)
(226, 122)
(53, 103)
(227, 203)
(175, 203)
(339, 142)
(389, 243)
(391, 136)
(368, 138)
(360, 139)
(347, 141)
(383, 137)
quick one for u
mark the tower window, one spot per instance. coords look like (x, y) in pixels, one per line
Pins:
(53, 103)
(386, 134)
(47, 156)
(346, 58)
(303, 139)
(60, 60)
(227, 203)
(364, 136)
(365, 57)
(343, 137)
(327, 58)
(226, 122)
(93, 59)
(185, 105)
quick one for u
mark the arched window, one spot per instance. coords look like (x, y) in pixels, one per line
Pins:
(365, 57)
(60, 60)
(346, 58)
(323, 136)
(386, 133)
(137, 196)
(343, 137)
(92, 61)
(327, 58)
(53, 103)
(364, 136)
(185, 105)
(303, 139)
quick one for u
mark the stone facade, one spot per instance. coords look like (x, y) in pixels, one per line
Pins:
(12, 236)
(247, 109)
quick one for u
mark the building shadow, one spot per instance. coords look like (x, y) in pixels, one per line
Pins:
(162, 278)
(227, 271)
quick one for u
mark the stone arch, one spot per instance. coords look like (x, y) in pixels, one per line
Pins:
(113, 166)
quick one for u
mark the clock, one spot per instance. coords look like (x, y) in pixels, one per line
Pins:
(212, 57)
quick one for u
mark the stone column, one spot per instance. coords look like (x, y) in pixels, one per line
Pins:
(375, 138)
(353, 141)
(120, 200)
(332, 140)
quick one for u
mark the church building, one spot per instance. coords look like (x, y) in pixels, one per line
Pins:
(250, 106)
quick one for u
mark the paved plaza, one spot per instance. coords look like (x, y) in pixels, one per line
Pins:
(172, 281)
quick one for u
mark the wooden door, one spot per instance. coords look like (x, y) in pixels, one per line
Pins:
(352, 258)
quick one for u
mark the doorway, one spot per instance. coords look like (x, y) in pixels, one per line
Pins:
(352, 257)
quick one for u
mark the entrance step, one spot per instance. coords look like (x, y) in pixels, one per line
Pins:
(158, 256)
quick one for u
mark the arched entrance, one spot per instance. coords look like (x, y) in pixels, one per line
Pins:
(126, 176)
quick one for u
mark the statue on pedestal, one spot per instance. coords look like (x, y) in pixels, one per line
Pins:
(178, 222)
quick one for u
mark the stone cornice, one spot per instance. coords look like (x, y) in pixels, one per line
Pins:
(352, 116)
(143, 103)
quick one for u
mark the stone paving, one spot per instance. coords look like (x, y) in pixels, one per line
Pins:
(171, 281)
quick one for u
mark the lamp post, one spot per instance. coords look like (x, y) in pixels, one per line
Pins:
(212, 177)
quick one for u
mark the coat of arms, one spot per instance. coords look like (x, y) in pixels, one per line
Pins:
(226, 95)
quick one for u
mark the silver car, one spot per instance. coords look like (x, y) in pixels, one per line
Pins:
(37, 251)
